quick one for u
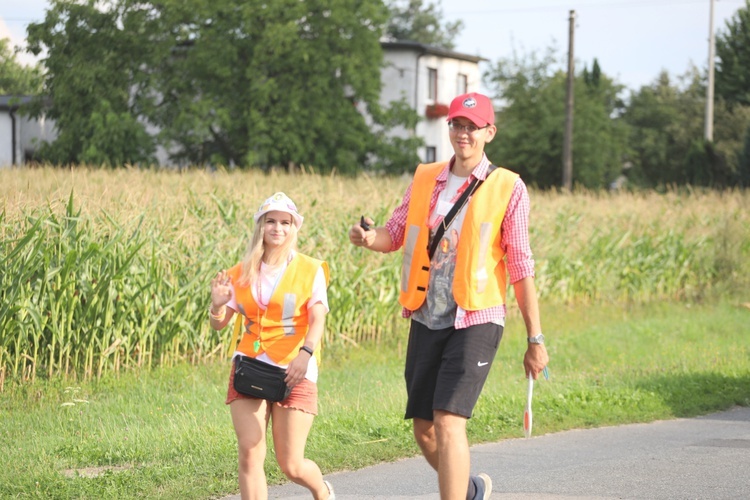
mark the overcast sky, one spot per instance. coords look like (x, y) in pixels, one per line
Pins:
(632, 39)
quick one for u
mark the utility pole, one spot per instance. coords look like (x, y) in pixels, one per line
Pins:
(567, 173)
(709, 132)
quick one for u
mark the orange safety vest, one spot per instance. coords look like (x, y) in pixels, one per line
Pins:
(281, 329)
(479, 281)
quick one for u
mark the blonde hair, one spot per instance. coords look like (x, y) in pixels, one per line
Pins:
(256, 250)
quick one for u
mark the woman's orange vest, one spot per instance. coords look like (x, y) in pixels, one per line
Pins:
(282, 327)
(479, 281)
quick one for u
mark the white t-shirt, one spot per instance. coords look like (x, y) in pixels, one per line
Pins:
(439, 308)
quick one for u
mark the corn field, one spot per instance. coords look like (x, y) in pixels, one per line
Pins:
(109, 270)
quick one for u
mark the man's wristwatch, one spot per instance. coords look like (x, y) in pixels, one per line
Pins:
(536, 339)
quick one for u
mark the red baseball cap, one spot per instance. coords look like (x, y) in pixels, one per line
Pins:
(476, 107)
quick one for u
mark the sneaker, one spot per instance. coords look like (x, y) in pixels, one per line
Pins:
(484, 486)
(331, 494)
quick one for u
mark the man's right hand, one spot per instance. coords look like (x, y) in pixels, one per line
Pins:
(359, 237)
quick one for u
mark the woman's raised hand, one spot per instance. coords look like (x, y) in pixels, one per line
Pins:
(221, 289)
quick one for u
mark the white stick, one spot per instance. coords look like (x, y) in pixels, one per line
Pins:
(527, 415)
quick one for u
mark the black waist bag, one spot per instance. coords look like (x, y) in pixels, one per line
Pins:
(260, 380)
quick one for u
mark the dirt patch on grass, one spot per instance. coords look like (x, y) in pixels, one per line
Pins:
(95, 471)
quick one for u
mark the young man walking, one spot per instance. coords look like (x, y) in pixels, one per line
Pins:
(464, 228)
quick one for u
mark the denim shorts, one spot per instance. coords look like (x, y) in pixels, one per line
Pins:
(446, 369)
(304, 396)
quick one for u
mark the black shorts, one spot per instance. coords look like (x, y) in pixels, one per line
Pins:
(446, 369)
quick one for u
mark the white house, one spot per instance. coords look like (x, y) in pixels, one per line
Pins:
(428, 76)
(19, 135)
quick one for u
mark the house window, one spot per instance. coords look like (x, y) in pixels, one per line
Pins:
(430, 154)
(431, 84)
(462, 84)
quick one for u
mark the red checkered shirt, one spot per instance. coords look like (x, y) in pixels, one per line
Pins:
(514, 240)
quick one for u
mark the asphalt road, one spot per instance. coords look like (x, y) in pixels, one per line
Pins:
(698, 458)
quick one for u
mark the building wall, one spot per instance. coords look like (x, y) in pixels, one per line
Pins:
(406, 75)
(29, 135)
(398, 76)
(6, 155)
(32, 134)
(435, 131)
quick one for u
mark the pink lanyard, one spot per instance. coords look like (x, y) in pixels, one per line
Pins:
(259, 286)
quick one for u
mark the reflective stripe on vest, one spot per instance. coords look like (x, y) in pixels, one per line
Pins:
(480, 275)
(415, 268)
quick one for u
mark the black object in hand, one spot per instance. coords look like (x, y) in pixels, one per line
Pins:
(364, 225)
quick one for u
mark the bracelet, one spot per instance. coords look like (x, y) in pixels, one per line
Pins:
(306, 349)
(217, 317)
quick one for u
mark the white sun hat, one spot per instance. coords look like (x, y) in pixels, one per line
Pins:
(281, 203)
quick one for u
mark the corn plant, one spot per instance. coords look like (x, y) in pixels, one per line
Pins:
(104, 271)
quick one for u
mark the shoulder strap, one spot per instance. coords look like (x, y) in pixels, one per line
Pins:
(460, 202)
(235, 335)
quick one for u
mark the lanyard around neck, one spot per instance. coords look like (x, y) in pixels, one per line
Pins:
(259, 286)
(434, 240)
(440, 218)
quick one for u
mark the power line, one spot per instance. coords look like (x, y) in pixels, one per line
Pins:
(598, 5)
(540, 8)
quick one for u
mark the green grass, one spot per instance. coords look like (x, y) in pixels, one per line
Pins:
(166, 432)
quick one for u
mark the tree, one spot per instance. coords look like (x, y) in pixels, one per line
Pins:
(733, 88)
(733, 58)
(592, 79)
(97, 61)
(666, 122)
(396, 154)
(729, 151)
(15, 78)
(236, 83)
(651, 114)
(744, 162)
(530, 125)
(271, 83)
(412, 20)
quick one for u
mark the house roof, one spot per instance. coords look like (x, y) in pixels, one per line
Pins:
(430, 49)
(8, 102)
